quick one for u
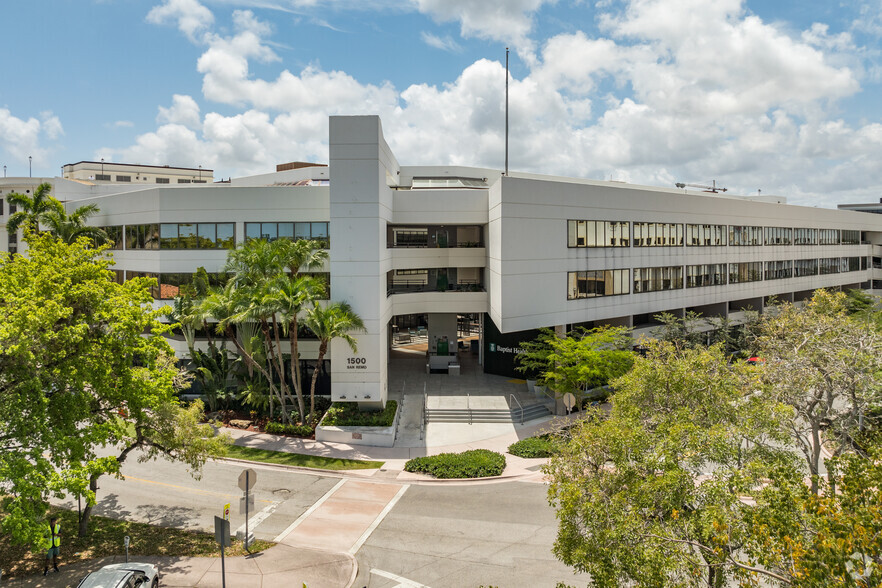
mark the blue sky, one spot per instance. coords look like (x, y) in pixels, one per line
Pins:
(780, 96)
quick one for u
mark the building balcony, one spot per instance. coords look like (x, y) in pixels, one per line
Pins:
(449, 280)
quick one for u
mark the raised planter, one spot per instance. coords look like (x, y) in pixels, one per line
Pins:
(373, 436)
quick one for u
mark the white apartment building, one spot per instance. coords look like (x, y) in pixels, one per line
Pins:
(520, 252)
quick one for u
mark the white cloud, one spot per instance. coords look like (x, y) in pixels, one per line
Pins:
(445, 43)
(121, 124)
(671, 90)
(20, 138)
(183, 111)
(191, 17)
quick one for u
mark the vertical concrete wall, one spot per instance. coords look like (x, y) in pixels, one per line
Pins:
(362, 170)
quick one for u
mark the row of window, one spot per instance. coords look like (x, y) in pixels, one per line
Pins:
(170, 285)
(586, 233)
(107, 178)
(591, 284)
(210, 235)
(271, 231)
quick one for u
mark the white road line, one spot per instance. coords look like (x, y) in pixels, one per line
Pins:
(308, 512)
(403, 582)
(258, 518)
(378, 520)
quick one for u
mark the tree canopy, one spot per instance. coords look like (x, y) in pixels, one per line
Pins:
(77, 372)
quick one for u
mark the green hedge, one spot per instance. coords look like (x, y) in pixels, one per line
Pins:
(275, 428)
(477, 463)
(542, 446)
(347, 414)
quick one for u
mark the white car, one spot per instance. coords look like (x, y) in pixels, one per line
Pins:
(123, 575)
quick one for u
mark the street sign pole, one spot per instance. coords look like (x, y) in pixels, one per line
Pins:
(222, 536)
(247, 486)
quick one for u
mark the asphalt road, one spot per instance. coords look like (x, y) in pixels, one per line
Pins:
(163, 493)
(458, 536)
(436, 535)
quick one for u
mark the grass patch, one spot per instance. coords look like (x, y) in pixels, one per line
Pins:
(476, 463)
(347, 414)
(300, 460)
(541, 446)
(106, 538)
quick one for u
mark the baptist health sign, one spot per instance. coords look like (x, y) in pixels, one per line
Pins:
(494, 348)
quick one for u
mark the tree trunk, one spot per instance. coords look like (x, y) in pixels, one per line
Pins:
(250, 362)
(323, 348)
(272, 358)
(87, 512)
(295, 367)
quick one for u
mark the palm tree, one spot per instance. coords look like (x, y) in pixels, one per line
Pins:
(30, 208)
(334, 321)
(70, 227)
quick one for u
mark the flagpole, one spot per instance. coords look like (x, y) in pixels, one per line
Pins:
(506, 111)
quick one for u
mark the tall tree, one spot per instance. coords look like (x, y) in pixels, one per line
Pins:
(654, 493)
(30, 208)
(336, 320)
(826, 366)
(77, 372)
(70, 227)
(583, 360)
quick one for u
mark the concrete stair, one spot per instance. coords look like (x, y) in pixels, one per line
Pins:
(486, 415)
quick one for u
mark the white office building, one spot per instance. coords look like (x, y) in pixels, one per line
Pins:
(429, 245)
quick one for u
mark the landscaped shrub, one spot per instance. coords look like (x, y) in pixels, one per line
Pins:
(542, 446)
(477, 463)
(347, 414)
(275, 428)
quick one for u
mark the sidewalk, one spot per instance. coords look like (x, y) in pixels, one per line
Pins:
(282, 566)
(492, 436)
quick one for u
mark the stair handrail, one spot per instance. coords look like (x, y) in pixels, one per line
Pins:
(425, 412)
(469, 406)
(513, 397)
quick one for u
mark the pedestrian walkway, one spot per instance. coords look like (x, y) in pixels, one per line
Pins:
(343, 519)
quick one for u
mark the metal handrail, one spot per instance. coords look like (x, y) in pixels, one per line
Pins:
(512, 397)
(469, 406)
(425, 412)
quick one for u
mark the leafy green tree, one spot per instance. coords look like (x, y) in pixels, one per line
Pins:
(336, 320)
(76, 373)
(70, 227)
(825, 366)
(579, 362)
(30, 208)
(653, 494)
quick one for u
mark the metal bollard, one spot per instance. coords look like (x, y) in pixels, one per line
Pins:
(126, 540)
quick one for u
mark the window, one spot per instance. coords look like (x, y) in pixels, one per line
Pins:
(142, 236)
(850, 264)
(779, 235)
(449, 183)
(592, 284)
(828, 236)
(851, 237)
(582, 233)
(655, 279)
(805, 267)
(12, 208)
(777, 270)
(745, 235)
(411, 238)
(271, 231)
(705, 235)
(102, 177)
(180, 181)
(115, 234)
(123, 178)
(658, 235)
(197, 235)
(805, 236)
(1, 207)
(829, 265)
(712, 274)
(162, 180)
(750, 271)
(154, 288)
